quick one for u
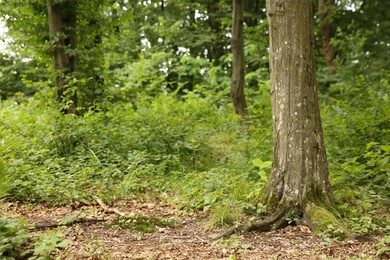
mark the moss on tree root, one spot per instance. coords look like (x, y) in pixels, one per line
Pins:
(323, 222)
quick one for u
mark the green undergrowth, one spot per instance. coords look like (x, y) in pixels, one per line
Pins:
(191, 146)
(122, 149)
(16, 242)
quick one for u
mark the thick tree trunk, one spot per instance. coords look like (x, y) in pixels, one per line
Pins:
(299, 188)
(238, 71)
(63, 64)
(325, 12)
(300, 171)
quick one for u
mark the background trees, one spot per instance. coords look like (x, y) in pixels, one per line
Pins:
(62, 20)
(238, 64)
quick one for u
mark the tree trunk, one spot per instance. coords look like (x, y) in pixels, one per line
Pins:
(238, 71)
(216, 50)
(325, 12)
(63, 64)
(299, 189)
(300, 171)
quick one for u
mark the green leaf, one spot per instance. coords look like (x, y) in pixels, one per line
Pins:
(263, 175)
(386, 148)
(63, 244)
(384, 162)
(259, 163)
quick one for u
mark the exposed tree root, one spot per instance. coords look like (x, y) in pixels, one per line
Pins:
(66, 224)
(275, 222)
(320, 221)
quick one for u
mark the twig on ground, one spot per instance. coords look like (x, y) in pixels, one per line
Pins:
(107, 208)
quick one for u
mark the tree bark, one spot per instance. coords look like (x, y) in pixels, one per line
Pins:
(299, 188)
(325, 13)
(300, 172)
(63, 63)
(238, 71)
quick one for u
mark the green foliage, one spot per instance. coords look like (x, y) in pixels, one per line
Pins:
(153, 84)
(356, 116)
(14, 235)
(13, 74)
(368, 174)
(4, 180)
(361, 189)
(47, 244)
(232, 245)
(363, 224)
(17, 243)
(383, 247)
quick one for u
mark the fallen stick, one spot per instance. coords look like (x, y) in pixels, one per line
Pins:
(107, 208)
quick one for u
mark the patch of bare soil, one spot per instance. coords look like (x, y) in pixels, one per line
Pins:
(98, 232)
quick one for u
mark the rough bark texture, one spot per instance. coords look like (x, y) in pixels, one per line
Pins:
(63, 63)
(237, 88)
(325, 12)
(300, 171)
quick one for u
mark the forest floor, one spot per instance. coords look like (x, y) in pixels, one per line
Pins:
(99, 232)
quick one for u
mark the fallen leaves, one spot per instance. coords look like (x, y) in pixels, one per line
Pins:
(187, 238)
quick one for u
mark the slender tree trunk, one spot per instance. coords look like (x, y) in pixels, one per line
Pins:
(325, 12)
(238, 71)
(216, 50)
(162, 4)
(253, 8)
(300, 171)
(63, 64)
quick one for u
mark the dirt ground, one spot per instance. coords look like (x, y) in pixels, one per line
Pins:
(99, 232)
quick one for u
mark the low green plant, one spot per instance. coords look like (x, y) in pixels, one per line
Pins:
(14, 238)
(361, 189)
(46, 244)
(96, 250)
(17, 243)
(363, 224)
(232, 245)
(331, 234)
(383, 247)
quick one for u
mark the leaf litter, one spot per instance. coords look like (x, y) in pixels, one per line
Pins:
(155, 229)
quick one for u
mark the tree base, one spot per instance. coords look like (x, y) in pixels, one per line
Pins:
(320, 220)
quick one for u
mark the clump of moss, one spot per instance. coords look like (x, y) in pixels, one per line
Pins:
(324, 223)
